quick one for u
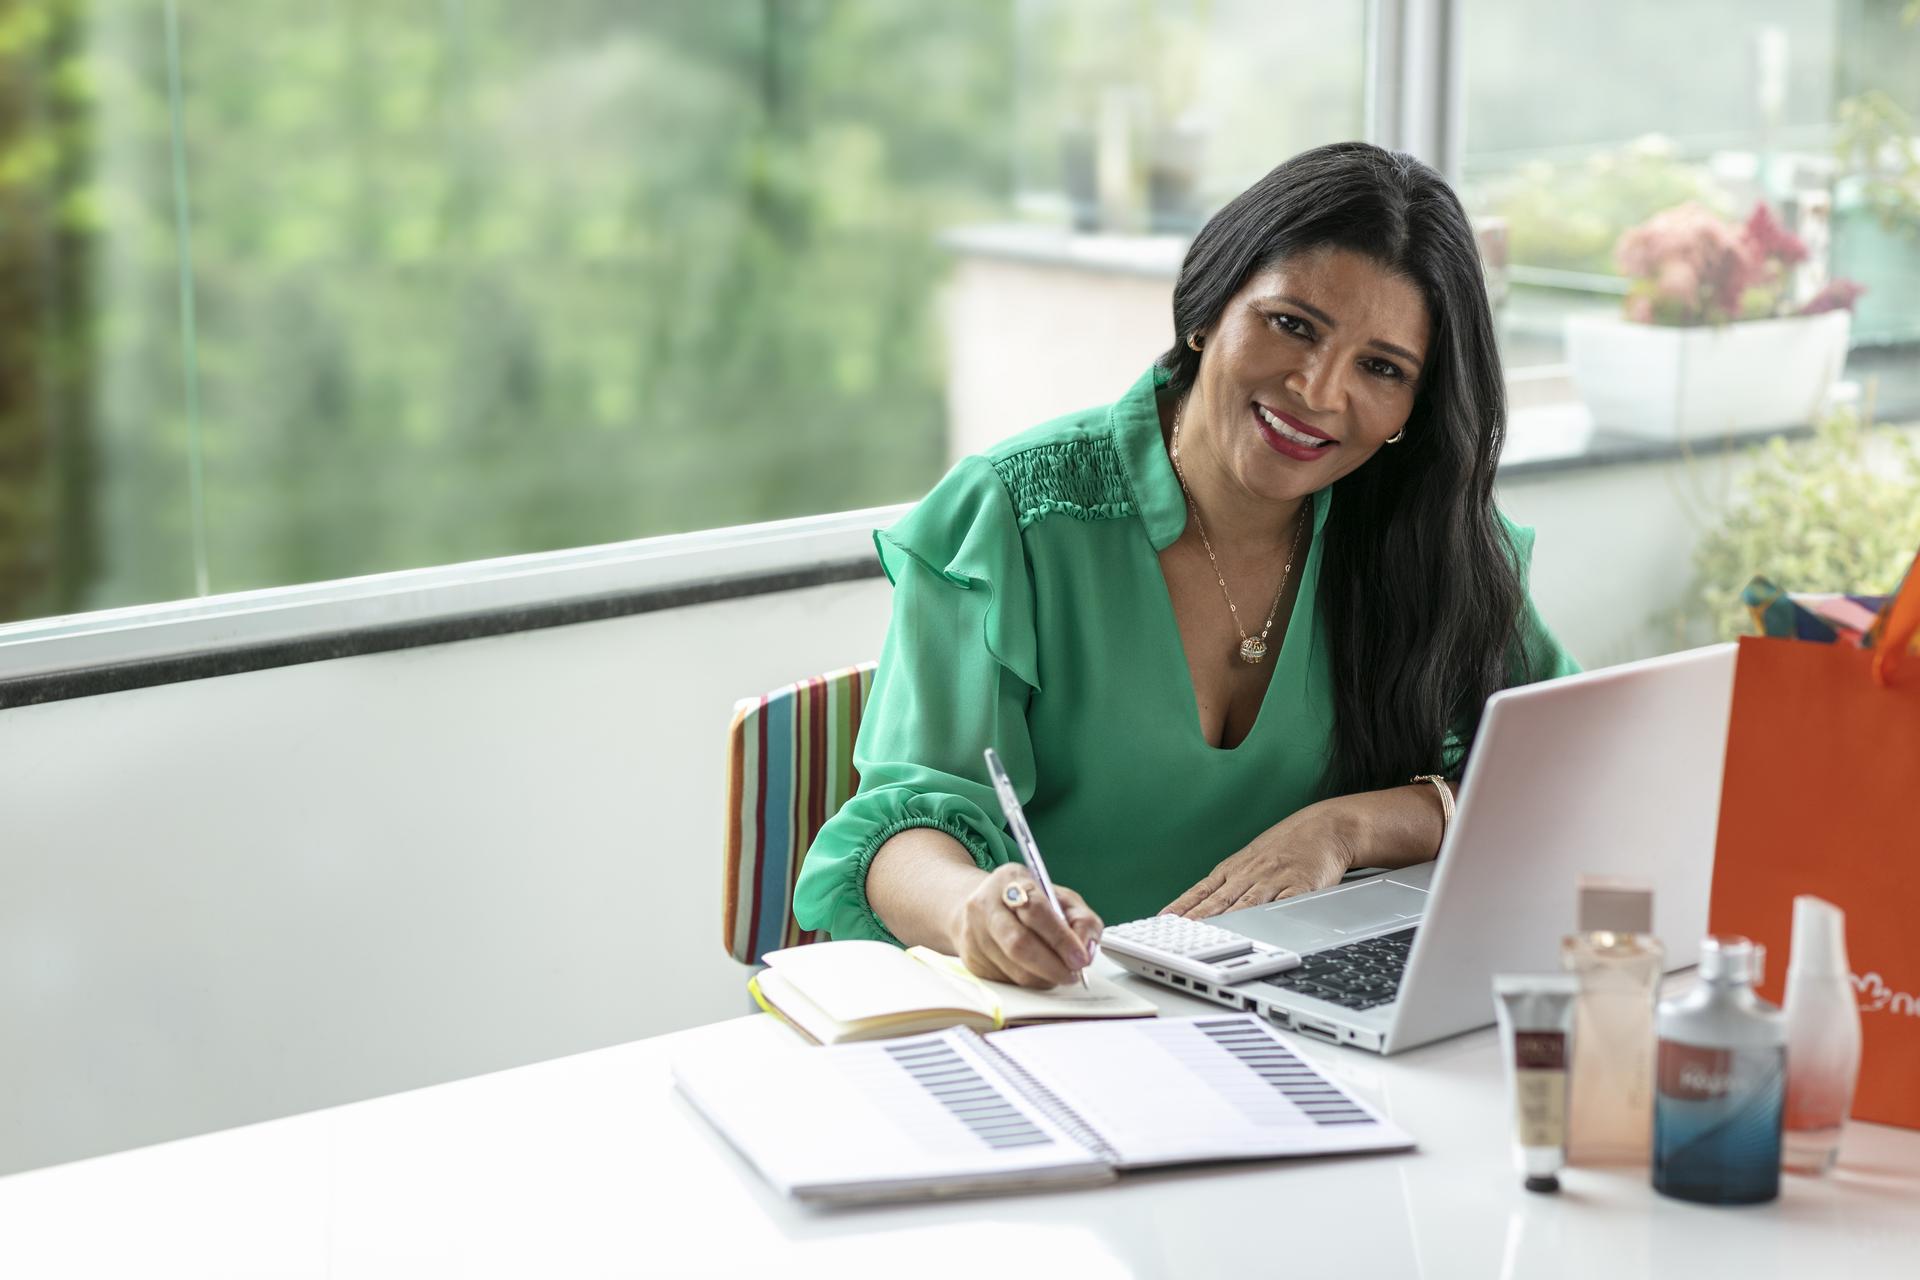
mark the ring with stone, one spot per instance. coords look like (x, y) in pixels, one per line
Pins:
(1015, 895)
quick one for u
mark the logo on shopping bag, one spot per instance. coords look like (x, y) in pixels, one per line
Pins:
(1877, 997)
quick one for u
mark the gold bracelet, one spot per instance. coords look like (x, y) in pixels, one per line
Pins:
(1446, 804)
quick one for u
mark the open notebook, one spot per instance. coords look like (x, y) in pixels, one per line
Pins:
(958, 1113)
(834, 992)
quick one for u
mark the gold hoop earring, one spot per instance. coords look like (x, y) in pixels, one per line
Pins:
(1397, 436)
(1193, 340)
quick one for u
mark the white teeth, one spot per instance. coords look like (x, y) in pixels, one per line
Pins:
(1288, 433)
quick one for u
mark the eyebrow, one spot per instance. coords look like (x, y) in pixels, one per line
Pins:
(1392, 348)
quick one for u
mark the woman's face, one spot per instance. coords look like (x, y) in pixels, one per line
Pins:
(1310, 367)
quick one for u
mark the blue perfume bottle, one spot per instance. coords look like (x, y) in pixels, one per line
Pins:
(1720, 1083)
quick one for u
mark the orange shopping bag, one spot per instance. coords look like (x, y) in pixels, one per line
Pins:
(1822, 795)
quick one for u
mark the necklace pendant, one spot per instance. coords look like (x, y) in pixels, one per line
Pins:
(1252, 649)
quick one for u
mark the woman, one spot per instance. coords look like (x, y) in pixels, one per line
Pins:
(1230, 633)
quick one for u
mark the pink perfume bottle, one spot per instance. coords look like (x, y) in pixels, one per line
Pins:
(1823, 1037)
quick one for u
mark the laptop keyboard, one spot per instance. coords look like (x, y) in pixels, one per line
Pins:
(1360, 975)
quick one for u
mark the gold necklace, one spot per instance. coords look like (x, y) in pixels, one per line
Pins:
(1252, 648)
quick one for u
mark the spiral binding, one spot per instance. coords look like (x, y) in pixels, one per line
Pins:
(1047, 1101)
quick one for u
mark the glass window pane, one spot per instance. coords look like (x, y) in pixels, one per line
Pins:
(477, 278)
(1151, 115)
(1732, 104)
(490, 277)
(1621, 151)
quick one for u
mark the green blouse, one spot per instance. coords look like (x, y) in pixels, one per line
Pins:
(1030, 614)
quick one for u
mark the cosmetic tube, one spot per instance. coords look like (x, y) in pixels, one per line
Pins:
(1823, 1037)
(1536, 1034)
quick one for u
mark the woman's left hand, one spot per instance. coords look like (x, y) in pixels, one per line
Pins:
(1309, 850)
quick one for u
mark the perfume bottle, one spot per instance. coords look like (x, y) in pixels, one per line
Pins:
(1720, 1083)
(1618, 962)
(1823, 1036)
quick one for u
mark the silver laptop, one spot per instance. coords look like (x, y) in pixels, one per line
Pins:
(1615, 772)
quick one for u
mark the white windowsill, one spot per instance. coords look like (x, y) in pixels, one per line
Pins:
(146, 632)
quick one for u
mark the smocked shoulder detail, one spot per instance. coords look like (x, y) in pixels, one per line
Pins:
(1084, 479)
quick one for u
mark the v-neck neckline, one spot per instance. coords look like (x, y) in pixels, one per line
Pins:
(1284, 661)
(1134, 422)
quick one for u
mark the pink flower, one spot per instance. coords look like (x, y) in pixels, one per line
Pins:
(1640, 309)
(1772, 240)
(1702, 268)
(1746, 267)
(1688, 232)
(1678, 280)
(1839, 295)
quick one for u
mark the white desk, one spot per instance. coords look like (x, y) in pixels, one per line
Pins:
(594, 1166)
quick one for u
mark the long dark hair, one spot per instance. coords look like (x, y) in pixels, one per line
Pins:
(1419, 585)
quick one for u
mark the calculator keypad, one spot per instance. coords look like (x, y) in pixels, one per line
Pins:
(1179, 936)
(1195, 949)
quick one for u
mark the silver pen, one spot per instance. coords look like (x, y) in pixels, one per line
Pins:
(1023, 837)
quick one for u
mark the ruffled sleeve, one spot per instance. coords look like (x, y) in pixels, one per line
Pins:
(955, 674)
(965, 534)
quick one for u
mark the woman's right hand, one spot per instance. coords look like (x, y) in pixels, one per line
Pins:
(1025, 944)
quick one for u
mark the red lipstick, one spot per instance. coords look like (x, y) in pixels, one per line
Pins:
(1291, 448)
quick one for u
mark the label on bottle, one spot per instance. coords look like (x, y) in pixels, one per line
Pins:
(1540, 1087)
(1693, 1073)
(1716, 1122)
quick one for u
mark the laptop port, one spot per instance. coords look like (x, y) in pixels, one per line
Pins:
(1201, 987)
(1179, 981)
(1317, 1029)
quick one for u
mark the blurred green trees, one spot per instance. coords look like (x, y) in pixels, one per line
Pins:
(472, 277)
(46, 352)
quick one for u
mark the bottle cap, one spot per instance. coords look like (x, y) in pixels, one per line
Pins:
(1615, 906)
(1542, 1182)
(1731, 959)
(1819, 938)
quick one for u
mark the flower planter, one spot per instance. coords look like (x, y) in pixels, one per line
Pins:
(1672, 383)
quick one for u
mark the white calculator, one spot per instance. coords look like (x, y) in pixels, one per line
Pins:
(1197, 950)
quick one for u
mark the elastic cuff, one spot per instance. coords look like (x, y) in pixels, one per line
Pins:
(863, 861)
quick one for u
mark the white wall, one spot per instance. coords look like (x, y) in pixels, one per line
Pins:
(1613, 550)
(249, 896)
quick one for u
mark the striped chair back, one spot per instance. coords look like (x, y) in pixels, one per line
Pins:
(789, 769)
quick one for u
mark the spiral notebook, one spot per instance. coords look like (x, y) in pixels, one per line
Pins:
(959, 1113)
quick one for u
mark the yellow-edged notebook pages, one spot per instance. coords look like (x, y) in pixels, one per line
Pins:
(835, 992)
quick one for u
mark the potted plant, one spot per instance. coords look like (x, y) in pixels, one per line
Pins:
(1709, 343)
(1837, 512)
